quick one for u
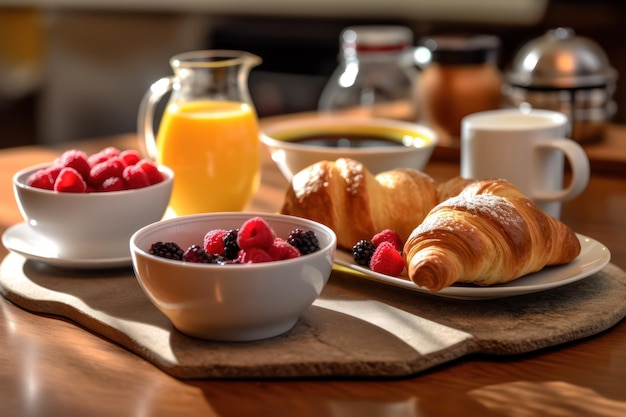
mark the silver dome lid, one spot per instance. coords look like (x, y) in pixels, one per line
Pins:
(560, 59)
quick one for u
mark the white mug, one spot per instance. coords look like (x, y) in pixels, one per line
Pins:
(527, 148)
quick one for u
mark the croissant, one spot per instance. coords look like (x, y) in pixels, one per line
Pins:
(345, 196)
(488, 234)
(452, 187)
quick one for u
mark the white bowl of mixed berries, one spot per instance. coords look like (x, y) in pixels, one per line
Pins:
(233, 276)
(88, 206)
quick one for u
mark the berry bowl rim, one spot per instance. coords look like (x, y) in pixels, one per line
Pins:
(331, 244)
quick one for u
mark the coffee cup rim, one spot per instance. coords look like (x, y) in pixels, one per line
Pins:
(553, 118)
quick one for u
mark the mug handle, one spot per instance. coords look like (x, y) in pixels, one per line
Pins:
(579, 163)
(145, 118)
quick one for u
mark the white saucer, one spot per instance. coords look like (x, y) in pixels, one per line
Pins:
(22, 239)
(593, 257)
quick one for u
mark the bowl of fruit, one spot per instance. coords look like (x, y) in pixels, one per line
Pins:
(233, 276)
(88, 206)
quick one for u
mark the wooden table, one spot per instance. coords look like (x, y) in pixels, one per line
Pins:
(52, 367)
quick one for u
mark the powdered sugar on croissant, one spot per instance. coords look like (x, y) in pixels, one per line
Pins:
(488, 234)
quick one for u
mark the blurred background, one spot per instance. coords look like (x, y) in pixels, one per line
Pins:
(75, 69)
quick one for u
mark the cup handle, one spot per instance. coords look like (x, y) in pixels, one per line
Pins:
(145, 118)
(579, 163)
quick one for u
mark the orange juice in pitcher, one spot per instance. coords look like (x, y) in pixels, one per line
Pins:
(213, 148)
(209, 134)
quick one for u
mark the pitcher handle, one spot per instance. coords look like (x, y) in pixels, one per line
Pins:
(145, 118)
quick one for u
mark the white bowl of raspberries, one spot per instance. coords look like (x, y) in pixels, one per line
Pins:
(233, 276)
(88, 206)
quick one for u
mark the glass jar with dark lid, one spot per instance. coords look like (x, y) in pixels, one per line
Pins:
(459, 76)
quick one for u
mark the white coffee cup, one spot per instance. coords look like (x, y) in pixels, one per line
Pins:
(526, 147)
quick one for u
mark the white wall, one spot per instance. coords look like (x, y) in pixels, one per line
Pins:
(98, 66)
(102, 55)
(503, 11)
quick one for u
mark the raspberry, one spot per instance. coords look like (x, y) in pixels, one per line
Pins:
(76, 159)
(151, 170)
(130, 156)
(214, 241)
(112, 184)
(281, 249)
(54, 171)
(102, 156)
(387, 260)
(70, 181)
(134, 177)
(305, 241)
(168, 250)
(102, 166)
(231, 248)
(388, 235)
(362, 252)
(112, 167)
(253, 256)
(41, 179)
(255, 233)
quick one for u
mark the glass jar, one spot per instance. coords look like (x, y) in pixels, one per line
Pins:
(372, 75)
(459, 76)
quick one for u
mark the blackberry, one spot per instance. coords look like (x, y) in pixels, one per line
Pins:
(168, 250)
(197, 254)
(231, 248)
(362, 252)
(304, 240)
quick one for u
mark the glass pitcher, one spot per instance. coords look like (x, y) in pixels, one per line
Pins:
(208, 134)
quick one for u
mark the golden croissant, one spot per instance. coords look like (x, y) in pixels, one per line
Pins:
(488, 234)
(345, 196)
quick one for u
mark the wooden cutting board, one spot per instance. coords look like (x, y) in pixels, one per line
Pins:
(356, 328)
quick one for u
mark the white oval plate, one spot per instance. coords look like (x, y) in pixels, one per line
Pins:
(593, 257)
(22, 239)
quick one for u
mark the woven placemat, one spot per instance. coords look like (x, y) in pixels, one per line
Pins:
(356, 328)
